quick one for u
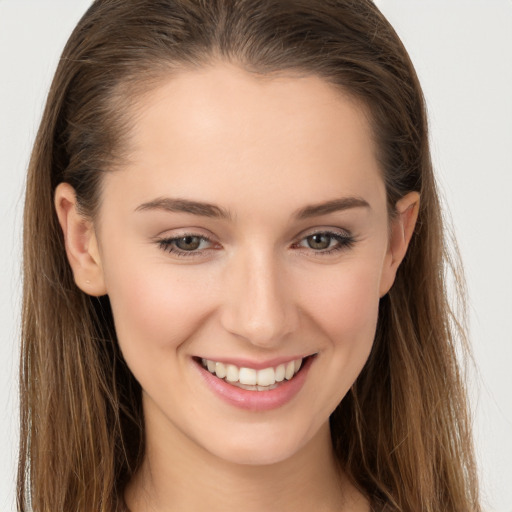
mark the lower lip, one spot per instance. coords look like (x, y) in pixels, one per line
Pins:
(256, 400)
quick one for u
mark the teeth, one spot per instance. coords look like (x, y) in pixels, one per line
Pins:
(220, 370)
(290, 369)
(266, 377)
(249, 378)
(280, 371)
(254, 388)
(232, 373)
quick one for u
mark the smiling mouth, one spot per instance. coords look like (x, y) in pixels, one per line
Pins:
(251, 379)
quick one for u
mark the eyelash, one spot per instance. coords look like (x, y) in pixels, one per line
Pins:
(345, 242)
(168, 245)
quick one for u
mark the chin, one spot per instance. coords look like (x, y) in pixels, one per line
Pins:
(257, 456)
(260, 448)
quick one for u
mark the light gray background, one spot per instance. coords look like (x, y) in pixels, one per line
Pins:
(462, 50)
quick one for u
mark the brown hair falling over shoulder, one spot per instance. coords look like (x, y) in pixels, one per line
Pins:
(402, 434)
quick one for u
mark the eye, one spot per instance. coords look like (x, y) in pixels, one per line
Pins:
(186, 245)
(327, 242)
(319, 241)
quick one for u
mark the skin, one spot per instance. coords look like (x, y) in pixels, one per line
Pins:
(261, 149)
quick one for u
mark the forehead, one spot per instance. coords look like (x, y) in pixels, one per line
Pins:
(223, 134)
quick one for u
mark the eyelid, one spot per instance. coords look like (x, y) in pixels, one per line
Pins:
(166, 244)
(326, 230)
(345, 240)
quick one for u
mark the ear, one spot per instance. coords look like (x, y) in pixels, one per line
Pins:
(402, 228)
(80, 241)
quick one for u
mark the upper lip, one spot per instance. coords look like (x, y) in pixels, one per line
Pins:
(257, 365)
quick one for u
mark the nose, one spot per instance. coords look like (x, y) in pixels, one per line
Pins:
(258, 305)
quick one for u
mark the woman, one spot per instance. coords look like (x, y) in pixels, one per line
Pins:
(234, 269)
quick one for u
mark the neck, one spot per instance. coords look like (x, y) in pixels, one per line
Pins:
(177, 474)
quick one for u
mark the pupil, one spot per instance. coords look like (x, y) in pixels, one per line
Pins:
(188, 243)
(320, 241)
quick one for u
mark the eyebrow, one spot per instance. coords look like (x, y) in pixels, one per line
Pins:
(210, 210)
(185, 206)
(335, 205)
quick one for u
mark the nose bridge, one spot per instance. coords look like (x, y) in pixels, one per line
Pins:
(258, 305)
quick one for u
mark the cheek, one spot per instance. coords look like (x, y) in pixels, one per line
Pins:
(350, 323)
(342, 313)
(345, 304)
(155, 308)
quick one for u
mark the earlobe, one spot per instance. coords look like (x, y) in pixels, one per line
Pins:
(402, 229)
(80, 240)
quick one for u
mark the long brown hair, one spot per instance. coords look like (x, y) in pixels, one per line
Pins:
(402, 433)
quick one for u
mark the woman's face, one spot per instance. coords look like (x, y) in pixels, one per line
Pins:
(248, 230)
